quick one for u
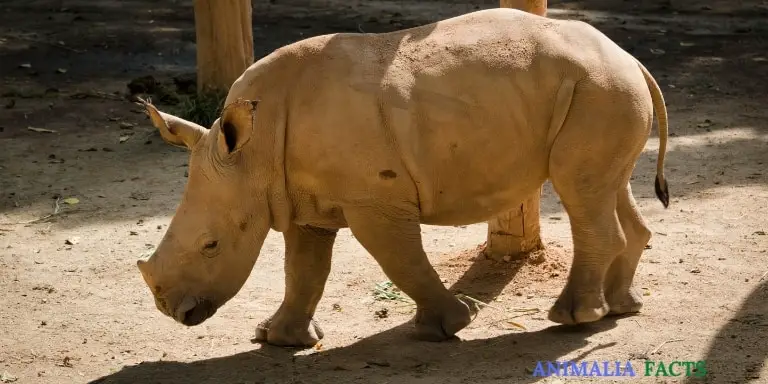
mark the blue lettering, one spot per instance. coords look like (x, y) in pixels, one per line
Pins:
(553, 368)
(628, 369)
(539, 371)
(595, 369)
(579, 369)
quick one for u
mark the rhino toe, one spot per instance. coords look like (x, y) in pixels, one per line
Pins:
(279, 334)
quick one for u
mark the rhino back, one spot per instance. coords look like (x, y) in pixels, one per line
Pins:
(452, 117)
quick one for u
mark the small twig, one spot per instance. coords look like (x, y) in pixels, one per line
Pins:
(360, 28)
(56, 208)
(648, 354)
(31, 40)
(476, 301)
(259, 353)
(98, 95)
(763, 276)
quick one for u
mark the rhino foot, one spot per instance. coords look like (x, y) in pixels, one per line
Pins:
(573, 308)
(442, 323)
(629, 301)
(288, 334)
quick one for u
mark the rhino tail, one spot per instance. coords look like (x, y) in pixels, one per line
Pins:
(661, 188)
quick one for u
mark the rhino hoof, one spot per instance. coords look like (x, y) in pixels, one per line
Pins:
(628, 302)
(569, 309)
(440, 325)
(273, 333)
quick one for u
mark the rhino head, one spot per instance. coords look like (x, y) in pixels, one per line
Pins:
(215, 236)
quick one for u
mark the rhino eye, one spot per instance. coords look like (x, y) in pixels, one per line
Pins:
(210, 245)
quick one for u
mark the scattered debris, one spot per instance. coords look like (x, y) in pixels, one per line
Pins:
(25, 65)
(96, 95)
(6, 377)
(388, 291)
(139, 196)
(759, 233)
(378, 363)
(382, 313)
(71, 200)
(67, 362)
(123, 139)
(72, 240)
(40, 130)
(336, 307)
(126, 125)
(61, 70)
(695, 270)
(658, 51)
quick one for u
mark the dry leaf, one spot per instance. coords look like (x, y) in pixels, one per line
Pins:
(41, 130)
(71, 200)
(518, 325)
(123, 139)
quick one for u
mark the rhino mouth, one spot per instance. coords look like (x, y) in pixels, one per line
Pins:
(192, 311)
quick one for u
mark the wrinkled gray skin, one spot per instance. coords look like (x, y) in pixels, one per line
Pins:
(447, 124)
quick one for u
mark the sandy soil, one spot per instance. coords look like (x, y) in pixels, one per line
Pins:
(73, 307)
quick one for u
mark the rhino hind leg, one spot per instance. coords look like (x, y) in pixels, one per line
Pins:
(393, 238)
(307, 265)
(620, 293)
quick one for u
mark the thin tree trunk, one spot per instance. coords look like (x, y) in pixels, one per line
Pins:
(515, 233)
(224, 42)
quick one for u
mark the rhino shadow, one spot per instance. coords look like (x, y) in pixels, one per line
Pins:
(739, 351)
(390, 356)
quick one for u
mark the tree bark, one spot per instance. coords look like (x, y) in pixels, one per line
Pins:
(537, 7)
(224, 42)
(515, 233)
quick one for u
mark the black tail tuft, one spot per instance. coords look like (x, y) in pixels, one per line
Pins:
(662, 192)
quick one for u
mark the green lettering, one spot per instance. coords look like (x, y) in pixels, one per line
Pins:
(672, 368)
(661, 370)
(648, 367)
(688, 365)
(701, 368)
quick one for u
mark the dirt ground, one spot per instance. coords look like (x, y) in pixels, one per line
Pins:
(73, 307)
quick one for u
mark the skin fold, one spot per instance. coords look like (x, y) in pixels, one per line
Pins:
(451, 123)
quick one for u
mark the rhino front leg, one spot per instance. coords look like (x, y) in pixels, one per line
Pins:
(307, 265)
(393, 238)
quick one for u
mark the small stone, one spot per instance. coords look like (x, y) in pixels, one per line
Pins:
(382, 313)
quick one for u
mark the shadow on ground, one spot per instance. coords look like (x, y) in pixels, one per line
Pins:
(727, 360)
(509, 358)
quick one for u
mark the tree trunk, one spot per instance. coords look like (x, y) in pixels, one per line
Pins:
(515, 233)
(537, 7)
(224, 43)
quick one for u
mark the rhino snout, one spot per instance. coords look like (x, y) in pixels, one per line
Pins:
(194, 311)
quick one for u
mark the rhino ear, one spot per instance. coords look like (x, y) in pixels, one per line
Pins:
(174, 130)
(237, 125)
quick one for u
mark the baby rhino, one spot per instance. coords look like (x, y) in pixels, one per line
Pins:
(451, 123)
